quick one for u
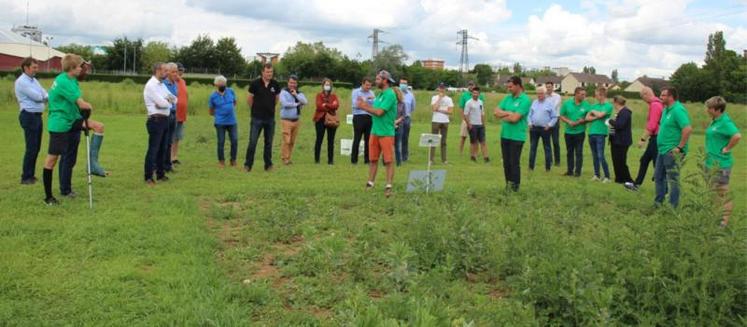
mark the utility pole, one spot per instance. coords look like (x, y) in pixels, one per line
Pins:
(124, 68)
(134, 59)
(464, 59)
(375, 42)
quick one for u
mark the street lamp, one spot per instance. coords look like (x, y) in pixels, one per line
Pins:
(49, 39)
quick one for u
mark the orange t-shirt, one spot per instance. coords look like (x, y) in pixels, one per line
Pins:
(181, 103)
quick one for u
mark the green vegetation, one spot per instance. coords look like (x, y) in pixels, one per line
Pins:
(306, 245)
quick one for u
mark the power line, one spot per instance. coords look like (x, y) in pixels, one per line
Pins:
(376, 40)
(464, 42)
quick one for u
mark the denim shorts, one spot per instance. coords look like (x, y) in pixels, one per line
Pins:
(721, 176)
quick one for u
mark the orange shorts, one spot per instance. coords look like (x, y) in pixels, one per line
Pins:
(381, 145)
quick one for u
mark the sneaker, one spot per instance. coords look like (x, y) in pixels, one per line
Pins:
(70, 195)
(269, 168)
(445, 162)
(150, 182)
(369, 185)
(221, 164)
(247, 169)
(595, 179)
(51, 201)
(176, 162)
(163, 178)
(473, 158)
(388, 190)
(233, 163)
(606, 180)
(568, 174)
(630, 186)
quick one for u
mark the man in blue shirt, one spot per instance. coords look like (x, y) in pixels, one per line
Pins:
(542, 119)
(403, 132)
(222, 104)
(171, 84)
(291, 102)
(31, 99)
(361, 120)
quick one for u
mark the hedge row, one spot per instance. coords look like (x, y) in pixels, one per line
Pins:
(142, 79)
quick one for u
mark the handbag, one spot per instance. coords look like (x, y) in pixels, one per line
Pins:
(331, 119)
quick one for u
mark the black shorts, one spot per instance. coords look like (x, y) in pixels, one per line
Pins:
(477, 134)
(59, 141)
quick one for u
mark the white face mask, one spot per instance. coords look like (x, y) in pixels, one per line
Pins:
(327, 88)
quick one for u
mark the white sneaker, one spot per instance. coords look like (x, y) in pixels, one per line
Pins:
(595, 179)
(605, 180)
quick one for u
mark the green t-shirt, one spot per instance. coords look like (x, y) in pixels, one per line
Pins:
(521, 104)
(718, 135)
(597, 127)
(673, 120)
(574, 112)
(63, 109)
(466, 95)
(384, 125)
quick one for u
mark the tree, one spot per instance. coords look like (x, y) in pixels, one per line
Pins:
(199, 55)
(312, 60)
(121, 50)
(228, 58)
(154, 52)
(517, 69)
(590, 70)
(84, 51)
(390, 58)
(615, 78)
(484, 74)
(689, 80)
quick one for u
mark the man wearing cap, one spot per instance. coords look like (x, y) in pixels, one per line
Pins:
(466, 96)
(442, 106)
(383, 112)
(181, 114)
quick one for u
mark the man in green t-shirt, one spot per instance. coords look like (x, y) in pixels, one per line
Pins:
(466, 96)
(721, 136)
(598, 114)
(573, 113)
(674, 133)
(381, 143)
(68, 115)
(512, 112)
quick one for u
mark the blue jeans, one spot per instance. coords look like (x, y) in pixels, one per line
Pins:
(398, 145)
(596, 142)
(534, 136)
(404, 143)
(157, 143)
(67, 161)
(32, 131)
(233, 135)
(169, 140)
(574, 144)
(667, 178)
(257, 126)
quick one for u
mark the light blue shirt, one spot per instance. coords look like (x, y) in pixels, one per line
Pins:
(409, 103)
(171, 86)
(30, 94)
(289, 108)
(542, 113)
(357, 93)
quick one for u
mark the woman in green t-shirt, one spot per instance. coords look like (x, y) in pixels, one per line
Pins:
(721, 137)
(68, 115)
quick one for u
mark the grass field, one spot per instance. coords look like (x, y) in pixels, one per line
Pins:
(305, 245)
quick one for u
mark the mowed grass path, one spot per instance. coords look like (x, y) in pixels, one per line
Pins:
(305, 245)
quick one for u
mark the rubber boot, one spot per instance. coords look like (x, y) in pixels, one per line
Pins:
(96, 169)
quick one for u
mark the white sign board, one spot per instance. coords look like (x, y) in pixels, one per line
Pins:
(346, 147)
(349, 120)
(430, 140)
(426, 181)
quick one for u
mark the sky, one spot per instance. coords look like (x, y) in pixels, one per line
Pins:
(636, 37)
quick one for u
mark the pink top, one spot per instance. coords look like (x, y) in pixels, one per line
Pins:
(655, 109)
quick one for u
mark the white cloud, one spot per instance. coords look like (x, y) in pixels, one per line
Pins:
(635, 36)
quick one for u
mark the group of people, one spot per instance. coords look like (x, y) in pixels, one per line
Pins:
(382, 120)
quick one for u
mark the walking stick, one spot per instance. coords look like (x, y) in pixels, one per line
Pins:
(88, 163)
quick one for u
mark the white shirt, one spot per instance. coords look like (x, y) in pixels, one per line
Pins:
(441, 115)
(473, 111)
(555, 99)
(156, 97)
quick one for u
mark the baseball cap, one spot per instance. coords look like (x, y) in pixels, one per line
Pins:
(385, 74)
